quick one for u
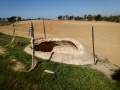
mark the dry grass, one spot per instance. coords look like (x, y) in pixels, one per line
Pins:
(107, 34)
(18, 67)
(2, 50)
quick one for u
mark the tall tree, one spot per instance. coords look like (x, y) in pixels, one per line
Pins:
(13, 18)
(90, 17)
(78, 18)
(18, 18)
(60, 17)
(70, 17)
(98, 17)
(85, 16)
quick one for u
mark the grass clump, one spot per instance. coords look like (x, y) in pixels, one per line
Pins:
(65, 77)
(3, 23)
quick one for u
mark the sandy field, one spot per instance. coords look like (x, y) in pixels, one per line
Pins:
(107, 34)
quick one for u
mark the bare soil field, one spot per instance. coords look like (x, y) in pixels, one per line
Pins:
(107, 34)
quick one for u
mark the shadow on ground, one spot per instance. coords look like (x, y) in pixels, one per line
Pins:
(116, 75)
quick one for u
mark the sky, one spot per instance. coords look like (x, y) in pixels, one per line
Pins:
(54, 8)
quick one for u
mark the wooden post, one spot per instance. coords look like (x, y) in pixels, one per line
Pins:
(33, 51)
(93, 45)
(31, 31)
(32, 42)
(44, 29)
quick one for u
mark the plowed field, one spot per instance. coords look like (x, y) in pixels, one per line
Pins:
(107, 34)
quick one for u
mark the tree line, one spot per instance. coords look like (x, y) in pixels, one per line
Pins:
(115, 18)
(18, 18)
(11, 19)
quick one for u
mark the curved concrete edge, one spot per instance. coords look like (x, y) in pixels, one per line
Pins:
(84, 57)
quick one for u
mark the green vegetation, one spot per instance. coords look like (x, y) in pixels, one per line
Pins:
(115, 18)
(65, 77)
(2, 23)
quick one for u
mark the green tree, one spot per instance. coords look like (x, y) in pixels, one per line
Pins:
(60, 17)
(85, 16)
(90, 17)
(18, 18)
(13, 19)
(98, 17)
(70, 17)
(78, 18)
(38, 18)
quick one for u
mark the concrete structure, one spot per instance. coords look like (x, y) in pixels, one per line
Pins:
(63, 50)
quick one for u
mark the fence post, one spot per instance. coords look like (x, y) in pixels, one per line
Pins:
(31, 32)
(32, 42)
(93, 45)
(44, 29)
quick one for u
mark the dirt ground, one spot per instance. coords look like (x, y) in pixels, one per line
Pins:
(107, 34)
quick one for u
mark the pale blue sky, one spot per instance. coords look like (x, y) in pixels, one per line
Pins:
(53, 8)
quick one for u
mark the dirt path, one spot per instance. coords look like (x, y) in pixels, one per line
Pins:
(106, 67)
(107, 34)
